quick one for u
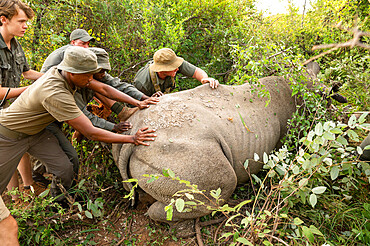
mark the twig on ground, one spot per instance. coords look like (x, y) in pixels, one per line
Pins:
(218, 228)
(212, 222)
(198, 232)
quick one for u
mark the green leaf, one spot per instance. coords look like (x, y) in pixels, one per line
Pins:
(240, 205)
(150, 180)
(359, 150)
(334, 172)
(313, 200)
(169, 212)
(314, 230)
(265, 158)
(318, 129)
(303, 182)
(246, 163)
(180, 204)
(189, 196)
(256, 157)
(307, 232)
(328, 136)
(342, 140)
(171, 173)
(362, 118)
(319, 189)
(297, 221)
(367, 147)
(353, 135)
(244, 241)
(336, 131)
(88, 214)
(352, 121)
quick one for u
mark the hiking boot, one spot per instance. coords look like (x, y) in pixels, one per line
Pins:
(126, 113)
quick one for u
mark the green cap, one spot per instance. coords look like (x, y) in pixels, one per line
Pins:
(79, 60)
(165, 60)
(103, 58)
(82, 35)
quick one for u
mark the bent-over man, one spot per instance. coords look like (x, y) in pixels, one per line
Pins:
(48, 99)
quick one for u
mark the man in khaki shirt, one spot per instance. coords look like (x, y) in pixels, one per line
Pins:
(48, 99)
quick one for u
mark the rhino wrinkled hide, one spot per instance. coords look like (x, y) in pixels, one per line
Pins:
(201, 138)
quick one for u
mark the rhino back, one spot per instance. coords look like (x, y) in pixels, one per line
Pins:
(190, 121)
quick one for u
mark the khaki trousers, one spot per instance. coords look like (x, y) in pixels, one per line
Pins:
(44, 146)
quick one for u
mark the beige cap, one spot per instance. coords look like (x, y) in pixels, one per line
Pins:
(82, 35)
(79, 60)
(165, 60)
(103, 58)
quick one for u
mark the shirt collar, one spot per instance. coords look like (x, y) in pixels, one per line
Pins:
(54, 71)
(3, 45)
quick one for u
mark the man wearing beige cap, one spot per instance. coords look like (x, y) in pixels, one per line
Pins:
(78, 37)
(158, 76)
(48, 99)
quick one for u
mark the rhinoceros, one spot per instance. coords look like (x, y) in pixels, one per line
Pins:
(204, 136)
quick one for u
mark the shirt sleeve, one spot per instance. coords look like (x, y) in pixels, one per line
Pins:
(126, 88)
(97, 121)
(61, 106)
(54, 59)
(143, 82)
(187, 69)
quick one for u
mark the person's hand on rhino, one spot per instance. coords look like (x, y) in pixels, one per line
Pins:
(146, 103)
(213, 83)
(122, 127)
(144, 134)
(158, 94)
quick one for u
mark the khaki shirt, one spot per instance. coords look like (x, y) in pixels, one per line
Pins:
(13, 63)
(48, 99)
(54, 59)
(143, 82)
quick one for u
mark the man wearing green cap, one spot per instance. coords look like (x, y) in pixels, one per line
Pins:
(78, 37)
(158, 76)
(48, 99)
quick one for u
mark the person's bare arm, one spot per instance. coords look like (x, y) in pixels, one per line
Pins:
(14, 92)
(202, 77)
(114, 94)
(84, 126)
(32, 74)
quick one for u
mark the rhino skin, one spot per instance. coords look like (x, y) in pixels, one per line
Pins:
(201, 138)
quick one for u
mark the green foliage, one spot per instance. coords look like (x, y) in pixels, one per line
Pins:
(313, 191)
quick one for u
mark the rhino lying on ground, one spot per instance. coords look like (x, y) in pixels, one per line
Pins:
(202, 139)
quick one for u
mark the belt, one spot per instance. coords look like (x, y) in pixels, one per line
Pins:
(12, 134)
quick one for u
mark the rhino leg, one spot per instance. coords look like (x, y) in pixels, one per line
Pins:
(205, 166)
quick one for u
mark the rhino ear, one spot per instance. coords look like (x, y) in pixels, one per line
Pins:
(339, 98)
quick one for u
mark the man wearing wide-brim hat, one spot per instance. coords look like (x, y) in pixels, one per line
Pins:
(157, 77)
(50, 98)
(78, 37)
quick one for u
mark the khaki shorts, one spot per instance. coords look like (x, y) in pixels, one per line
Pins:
(4, 212)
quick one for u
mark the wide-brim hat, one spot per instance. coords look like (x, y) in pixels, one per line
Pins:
(102, 57)
(82, 35)
(165, 60)
(79, 60)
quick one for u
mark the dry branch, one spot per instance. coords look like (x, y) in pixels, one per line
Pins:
(355, 41)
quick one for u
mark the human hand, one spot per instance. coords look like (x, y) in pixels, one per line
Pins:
(122, 127)
(213, 83)
(146, 103)
(158, 94)
(144, 134)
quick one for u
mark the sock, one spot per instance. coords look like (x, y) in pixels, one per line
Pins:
(117, 107)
